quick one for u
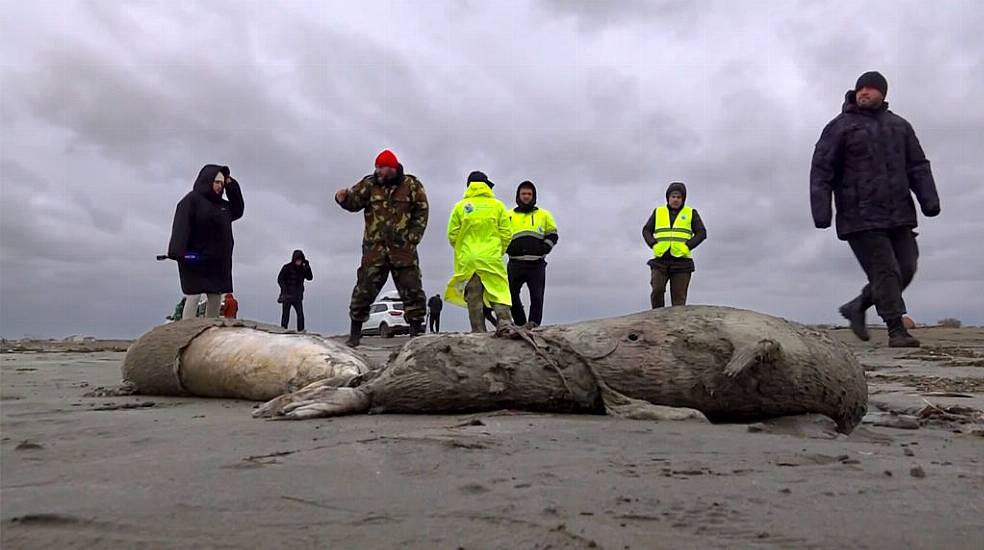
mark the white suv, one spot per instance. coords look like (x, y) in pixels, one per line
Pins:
(386, 319)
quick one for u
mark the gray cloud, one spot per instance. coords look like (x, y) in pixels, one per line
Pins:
(108, 112)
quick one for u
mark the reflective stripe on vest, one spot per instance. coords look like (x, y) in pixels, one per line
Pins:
(528, 225)
(673, 238)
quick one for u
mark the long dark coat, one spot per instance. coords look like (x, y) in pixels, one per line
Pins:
(203, 224)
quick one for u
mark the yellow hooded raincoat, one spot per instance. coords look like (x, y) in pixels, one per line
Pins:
(479, 231)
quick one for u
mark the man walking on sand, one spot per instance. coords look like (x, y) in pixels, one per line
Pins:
(395, 209)
(479, 233)
(870, 160)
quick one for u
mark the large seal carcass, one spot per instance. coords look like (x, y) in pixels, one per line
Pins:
(729, 364)
(233, 358)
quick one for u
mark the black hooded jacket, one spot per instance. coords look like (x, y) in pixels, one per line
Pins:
(203, 224)
(696, 225)
(871, 162)
(292, 277)
(530, 245)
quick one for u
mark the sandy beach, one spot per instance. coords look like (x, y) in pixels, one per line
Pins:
(82, 471)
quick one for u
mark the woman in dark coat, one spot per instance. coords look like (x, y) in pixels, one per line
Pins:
(201, 238)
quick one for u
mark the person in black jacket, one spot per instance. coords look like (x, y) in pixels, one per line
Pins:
(201, 238)
(291, 281)
(674, 264)
(870, 161)
(434, 307)
(534, 235)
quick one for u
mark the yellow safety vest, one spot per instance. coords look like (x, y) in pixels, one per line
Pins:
(673, 237)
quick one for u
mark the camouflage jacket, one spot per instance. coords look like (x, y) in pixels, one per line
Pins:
(396, 217)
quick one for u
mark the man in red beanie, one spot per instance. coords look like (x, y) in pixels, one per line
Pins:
(395, 208)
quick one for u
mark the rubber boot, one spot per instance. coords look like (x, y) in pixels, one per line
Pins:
(503, 315)
(898, 337)
(476, 319)
(474, 299)
(416, 328)
(355, 334)
(855, 315)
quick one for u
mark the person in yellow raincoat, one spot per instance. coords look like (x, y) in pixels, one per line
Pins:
(479, 231)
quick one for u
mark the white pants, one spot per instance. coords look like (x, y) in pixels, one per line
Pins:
(211, 305)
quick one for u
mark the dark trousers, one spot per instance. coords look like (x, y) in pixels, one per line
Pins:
(435, 322)
(534, 276)
(298, 306)
(888, 257)
(489, 315)
(679, 284)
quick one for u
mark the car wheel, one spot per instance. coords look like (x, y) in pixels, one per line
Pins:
(385, 331)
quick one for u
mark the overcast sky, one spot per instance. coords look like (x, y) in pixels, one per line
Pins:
(109, 109)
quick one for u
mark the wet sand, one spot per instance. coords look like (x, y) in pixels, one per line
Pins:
(144, 471)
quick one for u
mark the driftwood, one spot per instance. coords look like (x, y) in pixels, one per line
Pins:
(731, 365)
(237, 359)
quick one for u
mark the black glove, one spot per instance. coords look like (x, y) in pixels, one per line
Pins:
(931, 210)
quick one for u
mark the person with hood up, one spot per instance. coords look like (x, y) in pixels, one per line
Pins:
(534, 235)
(291, 280)
(479, 233)
(870, 161)
(201, 238)
(395, 208)
(672, 232)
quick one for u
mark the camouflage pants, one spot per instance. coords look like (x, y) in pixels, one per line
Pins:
(371, 280)
(477, 312)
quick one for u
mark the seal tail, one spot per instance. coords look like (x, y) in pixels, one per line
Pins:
(318, 399)
(763, 351)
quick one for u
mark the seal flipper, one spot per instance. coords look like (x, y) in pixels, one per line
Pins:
(315, 400)
(621, 405)
(763, 351)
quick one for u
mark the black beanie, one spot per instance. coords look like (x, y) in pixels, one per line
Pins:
(479, 176)
(872, 79)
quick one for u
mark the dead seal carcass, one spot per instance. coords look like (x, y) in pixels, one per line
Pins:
(729, 364)
(234, 358)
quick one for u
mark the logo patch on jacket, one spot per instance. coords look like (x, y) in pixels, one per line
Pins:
(469, 208)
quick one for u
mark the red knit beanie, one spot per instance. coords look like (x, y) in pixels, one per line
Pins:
(387, 158)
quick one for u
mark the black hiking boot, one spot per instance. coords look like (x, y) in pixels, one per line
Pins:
(416, 328)
(898, 337)
(355, 334)
(855, 315)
